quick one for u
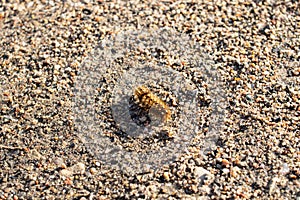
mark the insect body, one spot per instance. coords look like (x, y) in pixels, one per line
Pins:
(150, 102)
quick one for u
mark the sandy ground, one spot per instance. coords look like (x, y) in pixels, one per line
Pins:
(255, 48)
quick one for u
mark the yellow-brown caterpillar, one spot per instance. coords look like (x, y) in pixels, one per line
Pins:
(147, 100)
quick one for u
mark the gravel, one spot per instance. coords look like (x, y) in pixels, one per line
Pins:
(255, 46)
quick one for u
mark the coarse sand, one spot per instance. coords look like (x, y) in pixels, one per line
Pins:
(255, 46)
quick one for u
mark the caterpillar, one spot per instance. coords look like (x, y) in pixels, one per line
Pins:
(147, 100)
